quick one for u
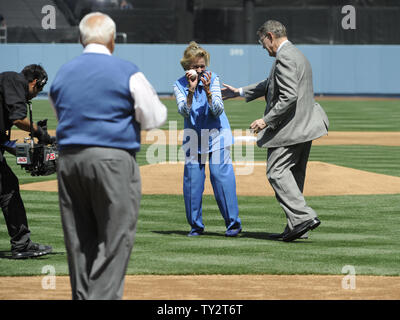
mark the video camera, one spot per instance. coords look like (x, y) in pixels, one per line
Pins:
(39, 159)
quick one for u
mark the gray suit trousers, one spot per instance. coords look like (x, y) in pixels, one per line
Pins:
(286, 172)
(99, 193)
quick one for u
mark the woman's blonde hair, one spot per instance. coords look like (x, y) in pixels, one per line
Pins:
(194, 51)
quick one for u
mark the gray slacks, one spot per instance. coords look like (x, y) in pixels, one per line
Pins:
(286, 172)
(99, 195)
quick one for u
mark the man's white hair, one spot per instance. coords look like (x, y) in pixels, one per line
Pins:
(99, 31)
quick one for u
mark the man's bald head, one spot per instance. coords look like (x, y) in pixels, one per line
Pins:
(97, 27)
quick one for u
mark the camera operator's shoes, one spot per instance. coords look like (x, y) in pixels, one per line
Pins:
(33, 250)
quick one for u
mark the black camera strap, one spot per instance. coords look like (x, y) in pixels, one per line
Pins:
(30, 121)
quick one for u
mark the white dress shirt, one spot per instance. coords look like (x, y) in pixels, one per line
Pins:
(281, 45)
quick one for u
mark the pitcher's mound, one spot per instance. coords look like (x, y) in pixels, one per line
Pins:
(322, 179)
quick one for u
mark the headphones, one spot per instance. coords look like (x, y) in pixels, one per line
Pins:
(41, 80)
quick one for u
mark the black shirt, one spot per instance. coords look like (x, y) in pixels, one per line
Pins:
(14, 92)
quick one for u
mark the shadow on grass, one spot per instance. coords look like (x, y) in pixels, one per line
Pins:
(185, 233)
(269, 236)
(251, 235)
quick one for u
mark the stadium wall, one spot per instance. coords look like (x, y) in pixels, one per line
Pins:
(337, 69)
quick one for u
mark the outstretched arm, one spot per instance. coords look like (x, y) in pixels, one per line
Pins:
(255, 90)
(250, 92)
(229, 92)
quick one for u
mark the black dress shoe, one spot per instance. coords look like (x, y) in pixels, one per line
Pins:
(301, 229)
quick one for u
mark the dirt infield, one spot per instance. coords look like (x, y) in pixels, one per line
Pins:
(218, 287)
(333, 138)
(322, 179)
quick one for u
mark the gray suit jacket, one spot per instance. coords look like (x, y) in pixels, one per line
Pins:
(291, 114)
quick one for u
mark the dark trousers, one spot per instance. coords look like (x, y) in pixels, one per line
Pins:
(13, 207)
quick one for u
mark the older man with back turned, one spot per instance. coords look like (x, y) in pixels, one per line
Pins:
(102, 103)
(292, 119)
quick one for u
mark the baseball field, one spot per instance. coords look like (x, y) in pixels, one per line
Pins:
(353, 183)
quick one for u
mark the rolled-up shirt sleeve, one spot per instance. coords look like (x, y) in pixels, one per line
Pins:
(183, 109)
(217, 105)
(150, 112)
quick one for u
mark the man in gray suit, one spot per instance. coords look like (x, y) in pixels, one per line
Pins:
(292, 119)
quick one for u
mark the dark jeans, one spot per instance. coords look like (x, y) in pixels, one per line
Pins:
(13, 207)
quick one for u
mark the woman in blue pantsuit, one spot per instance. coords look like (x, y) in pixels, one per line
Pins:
(207, 135)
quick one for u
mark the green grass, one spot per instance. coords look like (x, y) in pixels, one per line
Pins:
(45, 226)
(41, 109)
(378, 159)
(361, 231)
(351, 233)
(365, 115)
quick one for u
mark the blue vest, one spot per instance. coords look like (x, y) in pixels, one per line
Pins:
(93, 103)
(213, 133)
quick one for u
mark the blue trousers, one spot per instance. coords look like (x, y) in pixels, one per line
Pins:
(223, 182)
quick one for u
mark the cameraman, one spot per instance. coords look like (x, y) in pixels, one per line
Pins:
(16, 90)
